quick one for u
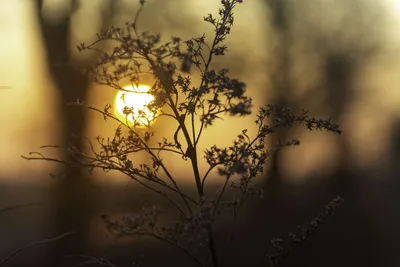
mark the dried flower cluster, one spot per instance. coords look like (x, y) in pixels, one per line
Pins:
(170, 63)
(284, 247)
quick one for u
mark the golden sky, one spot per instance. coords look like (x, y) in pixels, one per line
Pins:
(28, 109)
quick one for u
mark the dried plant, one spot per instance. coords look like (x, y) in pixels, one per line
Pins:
(172, 65)
(284, 247)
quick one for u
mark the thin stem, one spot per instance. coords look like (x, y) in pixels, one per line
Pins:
(191, 149)
(201, 126)
(136, 19)
(213, 248)
(18, 251)
(159, 237)
(146, 148)
(111, 167)
(10, 208)
(193, 129)
(158, 192)
(154, 148)
(91, 260)
(207, 173)
(222, 191)
(230, 174)
(180, 247)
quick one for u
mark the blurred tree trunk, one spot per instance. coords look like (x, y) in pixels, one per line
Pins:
(72, 197)
(339, 74)
(342, 55)
(280, 82)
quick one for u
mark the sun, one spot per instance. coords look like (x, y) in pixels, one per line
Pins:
(136, 101)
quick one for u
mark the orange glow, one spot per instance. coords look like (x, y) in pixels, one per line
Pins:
(137, 101)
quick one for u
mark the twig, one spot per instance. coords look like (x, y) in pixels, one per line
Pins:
(15, 253)
(10, 208)
(91, 260)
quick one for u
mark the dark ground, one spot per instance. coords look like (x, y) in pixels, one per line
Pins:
(364, 232)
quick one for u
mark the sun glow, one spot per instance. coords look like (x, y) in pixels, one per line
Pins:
(136, 103)
(397, 5)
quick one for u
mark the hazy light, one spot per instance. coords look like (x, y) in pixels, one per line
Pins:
(397, 5)
(137, 100)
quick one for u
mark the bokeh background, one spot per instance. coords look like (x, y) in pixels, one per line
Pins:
(338, 59)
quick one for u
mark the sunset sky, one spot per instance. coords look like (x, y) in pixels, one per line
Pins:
(338, 57)
(28, 104)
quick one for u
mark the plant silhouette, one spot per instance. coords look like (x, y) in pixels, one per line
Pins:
(173, 64)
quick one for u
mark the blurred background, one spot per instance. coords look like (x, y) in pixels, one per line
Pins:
(338, 59)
